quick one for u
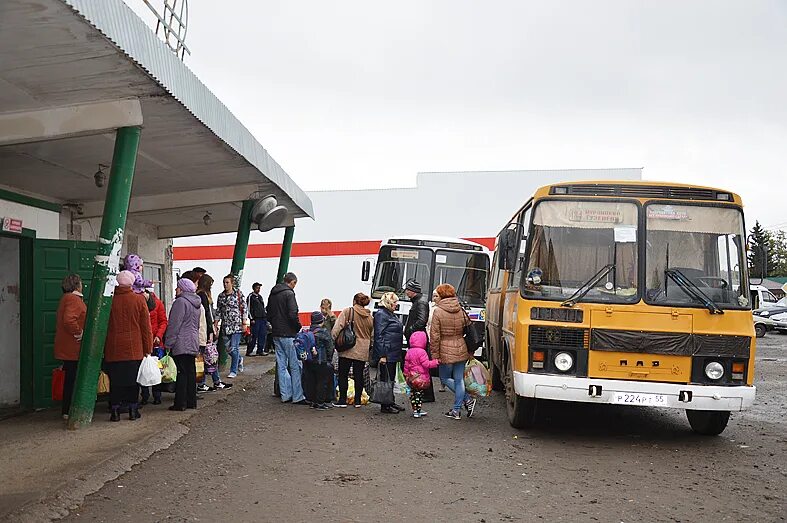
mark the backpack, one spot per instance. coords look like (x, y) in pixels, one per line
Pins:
(304, 343)
(346, 338)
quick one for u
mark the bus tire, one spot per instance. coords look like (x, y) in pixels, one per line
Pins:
(521, 411)
(708, 422)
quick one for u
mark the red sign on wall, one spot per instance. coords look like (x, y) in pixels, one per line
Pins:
(12, 225)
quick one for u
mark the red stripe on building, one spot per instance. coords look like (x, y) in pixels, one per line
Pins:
(299, 250)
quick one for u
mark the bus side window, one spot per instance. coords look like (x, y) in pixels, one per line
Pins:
(495, 279)
(524, 225)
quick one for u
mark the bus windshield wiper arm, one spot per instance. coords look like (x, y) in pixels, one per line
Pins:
(587, 286)
(693, 290)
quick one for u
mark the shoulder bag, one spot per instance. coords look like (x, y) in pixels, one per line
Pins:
(346, 338)
(473, 339)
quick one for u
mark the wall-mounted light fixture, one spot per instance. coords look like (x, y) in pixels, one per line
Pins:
(206, 219)
(100, 178)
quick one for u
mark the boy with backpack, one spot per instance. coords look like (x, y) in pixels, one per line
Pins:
(315, 348)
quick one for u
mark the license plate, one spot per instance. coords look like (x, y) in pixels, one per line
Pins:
(645, 400)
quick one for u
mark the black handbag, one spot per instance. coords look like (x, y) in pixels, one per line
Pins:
(473, 339)
(346, 338)
(382, 391)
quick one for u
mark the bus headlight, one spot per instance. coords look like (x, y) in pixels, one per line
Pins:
(714, 370)
(564, 361)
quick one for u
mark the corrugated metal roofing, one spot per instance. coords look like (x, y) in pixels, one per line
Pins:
(128, 32)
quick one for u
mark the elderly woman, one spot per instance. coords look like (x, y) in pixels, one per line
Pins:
(70, 324)
(182, 339)
(357, 356)
(388, 332)
(448, 346)
(129, 339)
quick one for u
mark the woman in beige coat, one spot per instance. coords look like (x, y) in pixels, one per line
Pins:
(448, 345)
(357, 356)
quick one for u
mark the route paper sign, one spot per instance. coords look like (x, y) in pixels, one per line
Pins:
(12, 225)
(626, 234)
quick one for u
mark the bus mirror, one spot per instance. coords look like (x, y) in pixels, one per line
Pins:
(366, 268)
(508, 249)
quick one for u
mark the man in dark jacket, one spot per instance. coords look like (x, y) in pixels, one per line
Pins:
(283, 316)
(419, 310)
(259, 322)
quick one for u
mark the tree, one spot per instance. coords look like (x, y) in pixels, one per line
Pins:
(761, 252)
(779, 249)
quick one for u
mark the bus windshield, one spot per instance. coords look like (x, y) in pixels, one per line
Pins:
(466, 271)
(573, 241)
(704, 247)
(397, 265)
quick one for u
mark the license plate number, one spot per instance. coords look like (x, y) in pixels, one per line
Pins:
(649, 400)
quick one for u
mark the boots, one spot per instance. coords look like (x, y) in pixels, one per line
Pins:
(133, 412)
(115, 416)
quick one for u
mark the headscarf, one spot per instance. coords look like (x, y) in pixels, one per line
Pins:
(389, 300)
(125, 278)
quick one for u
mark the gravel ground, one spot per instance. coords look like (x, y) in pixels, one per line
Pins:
(251, 458)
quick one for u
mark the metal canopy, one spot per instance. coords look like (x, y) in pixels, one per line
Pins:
(195, 156)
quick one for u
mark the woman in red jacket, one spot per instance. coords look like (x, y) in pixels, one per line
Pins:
(129, 339)
(158, 325)
(70, 323)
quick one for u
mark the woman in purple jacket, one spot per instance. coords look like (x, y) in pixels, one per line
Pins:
(182, 339)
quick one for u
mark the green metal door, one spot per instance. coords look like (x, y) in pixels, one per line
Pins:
(52, 261)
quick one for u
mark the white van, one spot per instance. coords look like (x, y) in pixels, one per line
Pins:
(762, 298)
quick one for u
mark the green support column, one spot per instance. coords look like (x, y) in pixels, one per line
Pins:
(238, 260)
(105, 269)
(286, 250)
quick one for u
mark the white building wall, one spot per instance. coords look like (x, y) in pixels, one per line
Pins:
(456, 204)
(45, 223)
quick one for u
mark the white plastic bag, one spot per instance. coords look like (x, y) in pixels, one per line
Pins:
(149, 373)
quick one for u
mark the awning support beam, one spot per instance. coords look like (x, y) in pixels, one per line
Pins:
(286, 250)
(105, 270)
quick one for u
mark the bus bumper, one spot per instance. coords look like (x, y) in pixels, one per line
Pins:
(673, 395)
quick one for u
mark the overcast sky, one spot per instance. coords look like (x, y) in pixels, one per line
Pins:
(364, 94)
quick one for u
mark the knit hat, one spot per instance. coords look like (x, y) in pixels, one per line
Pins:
(125, 278)
(418, 340)
(317, 318)
(186, 285)
(414, 286)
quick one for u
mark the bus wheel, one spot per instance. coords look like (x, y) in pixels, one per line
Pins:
(521, 411)
(759, 330)
(708, 422)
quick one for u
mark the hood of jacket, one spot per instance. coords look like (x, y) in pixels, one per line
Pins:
(450, 305)
(192, 298)
(279, 288)
(362, 311)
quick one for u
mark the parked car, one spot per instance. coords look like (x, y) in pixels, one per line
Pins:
(777, 317)
(762, 324)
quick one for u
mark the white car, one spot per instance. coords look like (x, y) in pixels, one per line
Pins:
(770, 319)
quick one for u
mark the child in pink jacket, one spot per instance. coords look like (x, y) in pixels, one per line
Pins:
(416, 371)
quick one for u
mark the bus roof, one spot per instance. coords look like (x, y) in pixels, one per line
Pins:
(435, 239)
(642, 190)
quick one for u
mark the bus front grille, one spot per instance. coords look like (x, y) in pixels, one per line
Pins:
(557, 337)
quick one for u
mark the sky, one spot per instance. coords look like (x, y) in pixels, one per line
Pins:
(365, 94)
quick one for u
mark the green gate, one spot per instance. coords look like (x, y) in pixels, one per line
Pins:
(52, 261)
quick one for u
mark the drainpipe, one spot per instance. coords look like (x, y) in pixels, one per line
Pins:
(286, 250)
(238, 261)
(105, 269)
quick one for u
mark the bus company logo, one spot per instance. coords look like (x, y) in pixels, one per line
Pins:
(552, 336)
(595, 215)
(667, 212)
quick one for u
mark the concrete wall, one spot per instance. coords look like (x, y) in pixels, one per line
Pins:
(9, 322)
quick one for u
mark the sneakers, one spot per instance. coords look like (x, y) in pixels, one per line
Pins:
(322, 406)
(240, 365)
(232, 375)
(420, 414)
(470, 407)
(221, 386)
(302, 402)
(203, 388)
(454, 414)
(340, 405)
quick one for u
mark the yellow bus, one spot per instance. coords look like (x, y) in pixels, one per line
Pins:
(625, 293)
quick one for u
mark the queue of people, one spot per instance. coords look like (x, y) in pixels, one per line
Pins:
(311, 362)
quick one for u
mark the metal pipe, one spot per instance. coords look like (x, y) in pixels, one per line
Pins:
(286, 250)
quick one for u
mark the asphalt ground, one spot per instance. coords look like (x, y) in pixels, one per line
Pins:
(251, 458)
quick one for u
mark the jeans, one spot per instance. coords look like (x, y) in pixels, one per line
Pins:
(259, 333)
(231, 345)
(289, 369)
(452, 375)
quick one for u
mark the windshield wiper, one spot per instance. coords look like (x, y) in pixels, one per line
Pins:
(691, 288)
(587, 286)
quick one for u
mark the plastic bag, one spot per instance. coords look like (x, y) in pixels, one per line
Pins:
(478, 381)
(58, 383)
(149, 374)
(169, 371)
(103, 383)
(400, 386)
(351, 395)
(199, 366)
